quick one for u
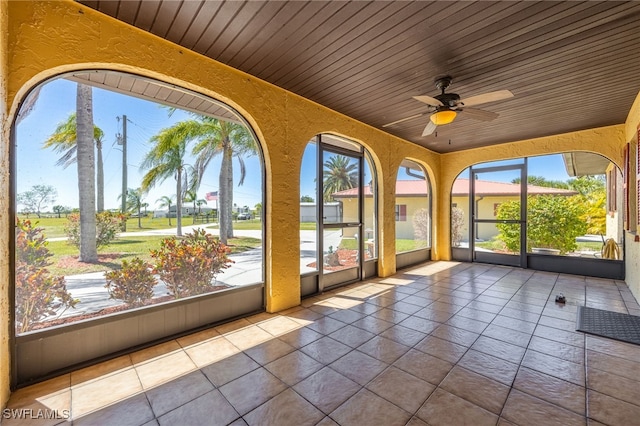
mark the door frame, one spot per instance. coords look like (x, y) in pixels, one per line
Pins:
(498, 258)
(356, 273)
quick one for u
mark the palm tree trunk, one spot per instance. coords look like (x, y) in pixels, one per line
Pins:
(86, 174)
(194, 208)
(179, 202)
(226, 193)
(100, 176)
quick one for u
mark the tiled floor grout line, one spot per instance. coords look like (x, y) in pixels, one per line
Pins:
(447, 293)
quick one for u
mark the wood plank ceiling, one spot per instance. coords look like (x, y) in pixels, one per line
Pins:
(571, 65)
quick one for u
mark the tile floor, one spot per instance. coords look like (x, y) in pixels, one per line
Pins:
(440, 344)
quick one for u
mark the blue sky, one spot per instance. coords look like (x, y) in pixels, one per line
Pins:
(36, 166)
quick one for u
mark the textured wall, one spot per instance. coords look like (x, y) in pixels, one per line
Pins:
(632, 247)
(44, 39)
(47, 38)
(5, 360)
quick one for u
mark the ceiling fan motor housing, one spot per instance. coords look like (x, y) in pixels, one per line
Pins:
(450, 100)
(443, 82)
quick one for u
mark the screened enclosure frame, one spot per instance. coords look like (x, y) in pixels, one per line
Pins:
(41, 354)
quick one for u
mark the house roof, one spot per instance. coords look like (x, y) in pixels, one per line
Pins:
(488, 188)
(417, 188)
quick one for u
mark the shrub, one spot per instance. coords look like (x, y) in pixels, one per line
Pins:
(457, 225)
(133, 283)
(189, 266)
(552, 222)
(421, 227)
(108, 225)
(38, 293)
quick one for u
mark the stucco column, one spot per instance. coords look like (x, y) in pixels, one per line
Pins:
(5, 355)
(282, 221)
(387, 226)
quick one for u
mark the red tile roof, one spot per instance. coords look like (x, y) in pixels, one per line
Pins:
(414, 188)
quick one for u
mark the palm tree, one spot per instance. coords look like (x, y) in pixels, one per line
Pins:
(190, 196)
(339, 174)
(166, 159)
(86, 173)
(230, 140)
(63, 141)
(134, 202)
(166, 201)
(200, 203)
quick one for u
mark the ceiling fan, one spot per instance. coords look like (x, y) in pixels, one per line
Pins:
(445, 107)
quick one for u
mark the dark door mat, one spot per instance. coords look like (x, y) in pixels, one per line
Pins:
(613, 325)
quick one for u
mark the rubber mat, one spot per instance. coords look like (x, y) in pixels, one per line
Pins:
(613, 325)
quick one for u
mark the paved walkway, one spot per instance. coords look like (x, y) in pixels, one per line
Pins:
(247, 268)
(90, 288)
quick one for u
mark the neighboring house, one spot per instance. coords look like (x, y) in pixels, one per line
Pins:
(489, 196)
(186, 211)
(413, 196)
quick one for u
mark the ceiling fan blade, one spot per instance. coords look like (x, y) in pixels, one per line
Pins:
(480, 114)
(487, 97)
(403, 119)
(428, 100)
(429, 129)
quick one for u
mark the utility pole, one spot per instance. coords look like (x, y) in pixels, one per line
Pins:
(122, 140)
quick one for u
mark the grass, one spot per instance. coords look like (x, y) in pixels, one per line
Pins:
(409, 245)
(126, 248)
(401, 245)
(54, 227)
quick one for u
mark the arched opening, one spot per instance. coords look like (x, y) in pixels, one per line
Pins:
(412, 214)
(559, 213)
(138, 217)
(338, 205)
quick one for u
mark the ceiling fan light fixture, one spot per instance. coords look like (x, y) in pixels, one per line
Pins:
(442, 117)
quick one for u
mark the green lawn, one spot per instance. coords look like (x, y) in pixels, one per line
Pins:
(124, 248)
(401, 245)
(54, 227)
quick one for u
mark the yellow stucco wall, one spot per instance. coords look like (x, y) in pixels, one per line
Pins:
(404, 229)
(44, 39)
(486, 231)
(632, 247)
(39, 40)
(5, 278)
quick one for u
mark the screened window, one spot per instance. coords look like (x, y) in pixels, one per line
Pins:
(579, 190)
(111, 192)
(413, 208)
